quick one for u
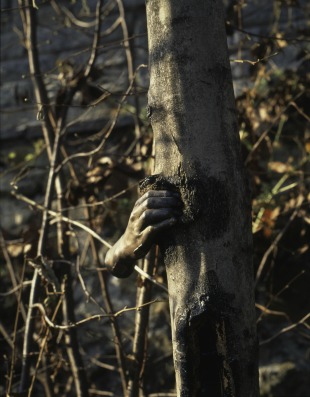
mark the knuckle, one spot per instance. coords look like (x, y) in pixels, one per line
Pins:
(133, 215)
(147, 195)
(150, 229)
(138, 203)
(148, 203)
(144, 215)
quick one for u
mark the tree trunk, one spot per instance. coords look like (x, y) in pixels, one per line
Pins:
(208, 256)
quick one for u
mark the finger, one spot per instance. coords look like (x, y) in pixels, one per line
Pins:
(161, 202)
(157, 193)
(151, 231)
(155, 202)
(153, 216)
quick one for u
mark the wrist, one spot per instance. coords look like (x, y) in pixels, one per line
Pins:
(119, 259)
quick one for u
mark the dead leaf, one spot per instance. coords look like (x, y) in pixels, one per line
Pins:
(279, 167)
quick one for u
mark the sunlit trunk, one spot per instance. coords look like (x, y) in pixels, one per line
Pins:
(208, 255)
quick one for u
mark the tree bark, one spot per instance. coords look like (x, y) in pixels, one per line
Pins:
(208, 255)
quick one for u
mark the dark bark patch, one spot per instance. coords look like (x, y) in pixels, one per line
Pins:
(202, 353)
(218, 299)
(181, 20)
(196, 357)
(156, 182)
(176, 48)
(204, 357)
(206, 201)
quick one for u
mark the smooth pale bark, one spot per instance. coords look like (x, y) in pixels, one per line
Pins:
(208, 256)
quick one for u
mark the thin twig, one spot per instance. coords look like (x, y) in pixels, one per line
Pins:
(118, 343)
(300, 111)
(265, 133)
(51, 324)
(28, 17)
(96, 392)
(16, 285)
(62, 218)
(30, 31)
(107, 132)
(13, 290)
(265, 309)
(96, 39)
(6, 336)
(60, 9)
(287, 329)
(11, 375)
(103, 202)
(253, 63)
(273, 245)
(43, 343)
(100, 364)
(144, 294)
(36, 276)
(71, 340)
(88, 295)
(130, 66)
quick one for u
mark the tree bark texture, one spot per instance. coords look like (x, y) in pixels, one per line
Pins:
(208, 255)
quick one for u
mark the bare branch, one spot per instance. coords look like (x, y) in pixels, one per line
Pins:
(13, 290)
(10, 378)
(274, 245)
(118, 343)
(253, 62)
(144, 294)
(287, 329)
(50, 323)
(107, 131)
(10, 268)
(96, 38)
(43, 344)
(62, 218)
